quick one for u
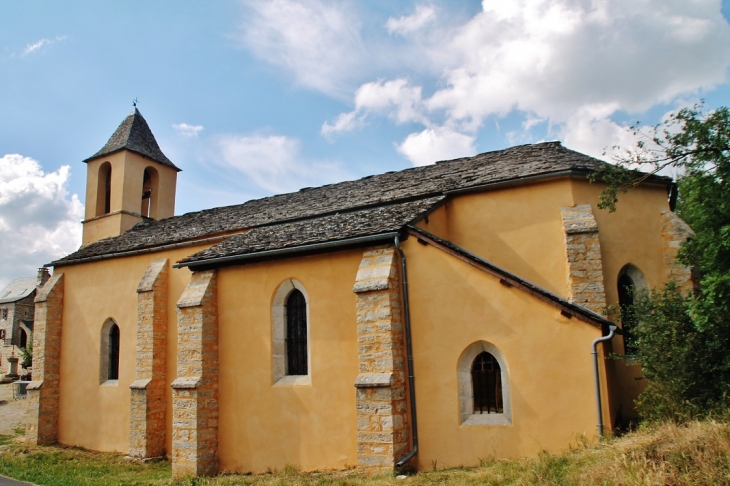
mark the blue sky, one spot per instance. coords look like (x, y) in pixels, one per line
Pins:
(252, 98)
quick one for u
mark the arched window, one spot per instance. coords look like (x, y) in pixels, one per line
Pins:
(486, 380)
(296, 334)
(630, 280)
(290, 335)
(483, 385)
(109, 362)
(150, 183)
(104, 190)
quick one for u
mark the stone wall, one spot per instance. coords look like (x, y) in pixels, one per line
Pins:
(43, 391)
(585, 267)
(674, 233)
(195, 390)
(147, 408)
(382, 418)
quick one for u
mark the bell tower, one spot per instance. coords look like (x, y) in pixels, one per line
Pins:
(127, 181)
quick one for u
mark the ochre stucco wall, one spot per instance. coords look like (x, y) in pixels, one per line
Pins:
(96, 416)
(262, 425)
(631, 234)
(453, 305)
(517, 228)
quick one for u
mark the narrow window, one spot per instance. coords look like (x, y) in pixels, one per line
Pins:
(486, 377)
(113, 373)
(626, 289)
(5, 313)
(146, 209)
(104, 190)
(108, 192)
(296, 334)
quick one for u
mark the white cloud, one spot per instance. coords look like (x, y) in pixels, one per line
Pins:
(274, 162)
(406, 24)
(317, 40)
(397, 99)
(571, 65)
(187, 130)
(30, 48)
(39, 220)
(433, 144)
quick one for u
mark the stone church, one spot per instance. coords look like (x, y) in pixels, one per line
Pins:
(437, 314)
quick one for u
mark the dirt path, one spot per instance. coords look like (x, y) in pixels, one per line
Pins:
(12, 412)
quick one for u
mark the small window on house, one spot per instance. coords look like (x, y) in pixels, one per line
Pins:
(2, 333)
(486, 379)
(296, 334)
(290, 324)
(630, 281)
(109, 362)
(483, 386)
(4, 313)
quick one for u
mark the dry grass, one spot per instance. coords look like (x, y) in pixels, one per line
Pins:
(693, 454)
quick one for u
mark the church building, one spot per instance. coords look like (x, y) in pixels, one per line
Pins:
(433, 315)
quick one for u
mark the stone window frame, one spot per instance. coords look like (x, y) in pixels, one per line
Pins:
(640, 285)
(104, 353)
(278, 336)
(467, 416)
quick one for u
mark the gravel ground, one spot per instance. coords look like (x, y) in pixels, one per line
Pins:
(12, 412)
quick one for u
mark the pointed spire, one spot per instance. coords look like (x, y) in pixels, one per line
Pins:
(135, 135)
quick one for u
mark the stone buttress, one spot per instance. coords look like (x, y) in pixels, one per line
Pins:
(382, 419)
(195, 390)
(43, 391)
(585, 266)
(148, 401)
(674, 233)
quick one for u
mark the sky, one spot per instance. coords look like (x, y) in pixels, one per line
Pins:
(258, 97)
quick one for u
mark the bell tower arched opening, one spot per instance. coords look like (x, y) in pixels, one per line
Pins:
(104, 189)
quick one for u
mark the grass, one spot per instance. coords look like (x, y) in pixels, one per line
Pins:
(694, 454)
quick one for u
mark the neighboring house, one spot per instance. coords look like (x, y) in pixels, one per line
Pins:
(16, 319)
(453, 305)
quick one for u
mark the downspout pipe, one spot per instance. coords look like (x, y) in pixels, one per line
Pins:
(409, 352)
(612, 331)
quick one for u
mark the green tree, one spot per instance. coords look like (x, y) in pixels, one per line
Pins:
(683, 341)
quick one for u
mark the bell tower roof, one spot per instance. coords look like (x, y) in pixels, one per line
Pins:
(135, 135)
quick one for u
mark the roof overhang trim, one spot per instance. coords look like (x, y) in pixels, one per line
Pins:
(566, 307)
(290, 251)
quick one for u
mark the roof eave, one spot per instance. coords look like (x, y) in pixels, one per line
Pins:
(299, 250)
(99, 155)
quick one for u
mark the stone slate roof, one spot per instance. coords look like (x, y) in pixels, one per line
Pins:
(135, 135)
(334, 227)
(512, 164)
(17, 289)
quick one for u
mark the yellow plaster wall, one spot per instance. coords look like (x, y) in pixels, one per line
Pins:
(517, 228)
(262, 425)
(631, 234)
(126, 194)
(548, 357)
(96, 416)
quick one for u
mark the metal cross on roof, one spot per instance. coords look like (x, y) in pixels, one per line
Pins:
(134, 102)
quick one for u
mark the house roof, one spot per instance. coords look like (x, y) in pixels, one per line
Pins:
(341, 226)
(279, 213)
(135, 135)
(17, 289)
